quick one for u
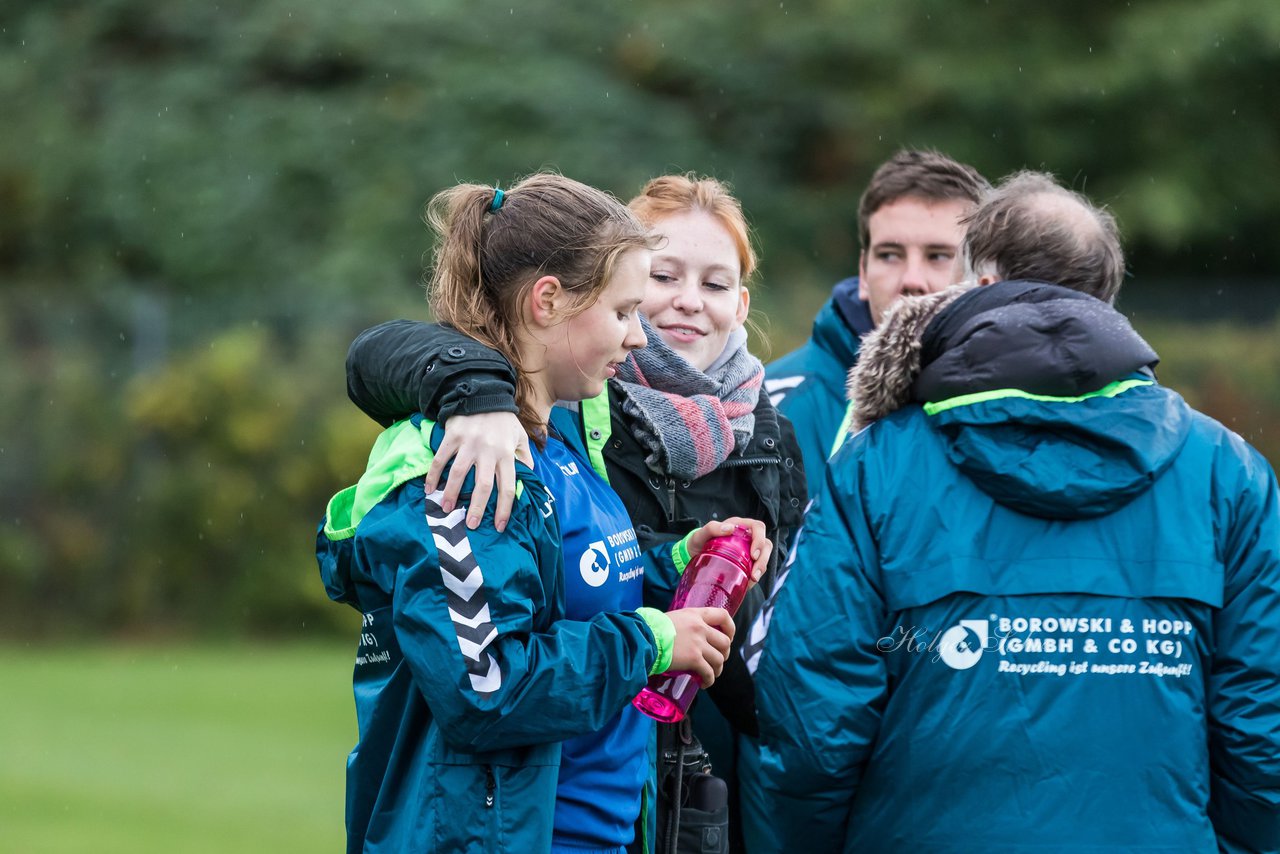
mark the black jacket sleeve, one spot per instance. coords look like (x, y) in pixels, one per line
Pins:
(404, 366)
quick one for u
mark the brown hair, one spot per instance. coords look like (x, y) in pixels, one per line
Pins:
(1031, 227)
(677, 194)
(491, 249)
(923, 174)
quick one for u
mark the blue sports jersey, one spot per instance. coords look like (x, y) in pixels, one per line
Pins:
(601, 773)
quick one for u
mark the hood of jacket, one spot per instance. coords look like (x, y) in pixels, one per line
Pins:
(1044, 397)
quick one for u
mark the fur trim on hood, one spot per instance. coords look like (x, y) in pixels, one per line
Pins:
(1038, 337)
(889, 360)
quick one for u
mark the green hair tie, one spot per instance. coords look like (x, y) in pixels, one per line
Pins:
(497, 200)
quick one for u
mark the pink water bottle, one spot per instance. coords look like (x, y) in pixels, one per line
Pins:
(717, 578)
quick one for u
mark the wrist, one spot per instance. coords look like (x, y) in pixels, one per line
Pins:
(680, 555)
(664, 638)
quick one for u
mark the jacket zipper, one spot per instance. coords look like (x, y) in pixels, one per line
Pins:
(736, 462)
(733, 462)
(490, 785)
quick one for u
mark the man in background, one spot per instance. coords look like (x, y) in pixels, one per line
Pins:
(910, 232)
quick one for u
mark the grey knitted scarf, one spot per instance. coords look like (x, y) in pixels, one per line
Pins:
(689, 422)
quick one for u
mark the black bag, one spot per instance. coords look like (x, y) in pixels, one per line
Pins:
(693, 803)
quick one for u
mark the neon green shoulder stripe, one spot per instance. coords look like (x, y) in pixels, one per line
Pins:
(843, 432)
(401, 453)
(597, 426)
(1110, 390)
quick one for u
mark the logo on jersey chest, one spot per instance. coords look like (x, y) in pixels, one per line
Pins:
(594, 564)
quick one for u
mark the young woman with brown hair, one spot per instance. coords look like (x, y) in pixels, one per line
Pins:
(684, 431)
(496, 668)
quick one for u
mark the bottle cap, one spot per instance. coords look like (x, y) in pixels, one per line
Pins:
(735, 546)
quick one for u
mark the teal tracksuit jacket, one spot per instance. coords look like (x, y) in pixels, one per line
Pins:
(808, 384)
(467, 677)
(1025, 622)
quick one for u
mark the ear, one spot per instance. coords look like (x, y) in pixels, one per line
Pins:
(547, 300)
(744, 306)
(988, 273)
(862, 276)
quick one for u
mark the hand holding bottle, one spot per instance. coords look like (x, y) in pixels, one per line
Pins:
(723, 569)
(761, 545)
(702, 642)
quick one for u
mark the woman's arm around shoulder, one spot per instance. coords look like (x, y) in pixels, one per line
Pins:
(404, 366)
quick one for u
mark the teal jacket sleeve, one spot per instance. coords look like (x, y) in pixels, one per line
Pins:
(336, 566)
(663, 565)
(1244, 685)
(821, 681)
(473, 616)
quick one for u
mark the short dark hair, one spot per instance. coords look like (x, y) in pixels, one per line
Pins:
(921, 173)
(1033, 228)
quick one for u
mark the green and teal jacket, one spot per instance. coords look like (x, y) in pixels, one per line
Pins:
(467, 676)
(397, 367)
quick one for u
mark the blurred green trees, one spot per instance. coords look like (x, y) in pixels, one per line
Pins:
(202, 203)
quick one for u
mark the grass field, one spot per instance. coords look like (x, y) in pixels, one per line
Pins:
(165, 749)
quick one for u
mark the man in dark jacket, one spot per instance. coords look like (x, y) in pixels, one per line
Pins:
(909, 228)
(1036, 603)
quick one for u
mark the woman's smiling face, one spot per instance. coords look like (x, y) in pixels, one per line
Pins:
(695, 297)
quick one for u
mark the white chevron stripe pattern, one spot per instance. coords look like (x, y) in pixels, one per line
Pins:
(451, 520)
(783, 383)
(759, 630)
(777, 388)
(463, 588)
(472, 650)
(464, 581)
(459, 551)
(491, 681)
(481, 617)
(755, 640)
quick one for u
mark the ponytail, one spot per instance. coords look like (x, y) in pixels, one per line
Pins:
(493, 245)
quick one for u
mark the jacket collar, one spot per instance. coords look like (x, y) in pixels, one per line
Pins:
(841, 323)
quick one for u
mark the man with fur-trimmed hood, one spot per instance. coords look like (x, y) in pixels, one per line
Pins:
(1034, 606)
